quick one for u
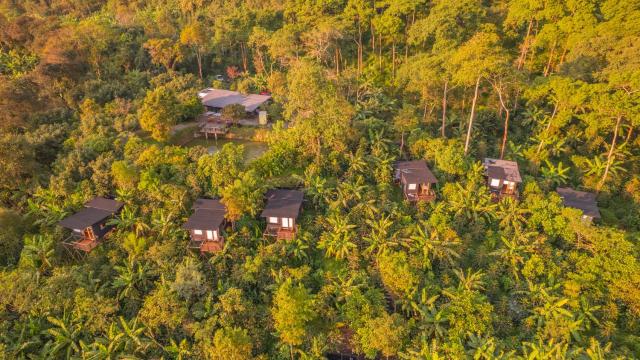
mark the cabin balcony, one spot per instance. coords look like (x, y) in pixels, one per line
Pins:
(81, 243)
(279, 232)
(499, 194)
(211, 246)
(425, 196)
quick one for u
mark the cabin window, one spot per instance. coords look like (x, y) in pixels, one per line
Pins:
(215, 234)
(209, 235)
(510, 184)
(412, 186)
(273, 220)
(495, 182)
(197, 232)
(287, 222)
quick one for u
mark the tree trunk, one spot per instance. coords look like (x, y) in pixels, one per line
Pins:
(505, 134)
(380, 53)
(610, 155)
(626, 141)
(546, 130)
(359, 48)
(199, 58)
(444, 109)
(373, 40)
(337, 60)
(564, 54)
(471, 116)
(393, 60)
(525, 46)
(547, 69)
(424, 111)
(244, 56)
(401, 142)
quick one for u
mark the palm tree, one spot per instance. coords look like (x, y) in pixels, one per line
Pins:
(178, 351)
(338, 242)
(133, 339)
(66, 335)
(513, 253)
(434, 245)
(432, 320)
(472, 203)
(163, 223)
(296, 248)
(556, 175)
(316, 189)
(38, 253)
(134, 245)
(132, 279)
(379, 238)
(104, 348)
(349, 193)
(511, 214)
(470, 281)
(128, 219)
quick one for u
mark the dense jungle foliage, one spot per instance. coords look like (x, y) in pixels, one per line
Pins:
(90, 92)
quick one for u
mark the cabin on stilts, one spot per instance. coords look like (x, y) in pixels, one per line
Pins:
(503, 177)
(580, 200)
(214, 129)
(205, 225)
(89, 225)
(416, 180)
(281, 212)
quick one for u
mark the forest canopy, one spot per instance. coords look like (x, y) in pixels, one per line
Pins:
(99, 101)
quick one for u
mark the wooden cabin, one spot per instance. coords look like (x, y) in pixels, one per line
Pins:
(205, 225)
(281, 212)
(89, 225)
(416, 180)
(581, 200)
(503, 177)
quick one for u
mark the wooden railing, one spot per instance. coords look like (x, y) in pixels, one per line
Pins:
(425, 196)
(280, 232)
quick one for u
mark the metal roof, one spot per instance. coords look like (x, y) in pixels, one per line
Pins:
(205, 219)
(211, 204)
(208, 215)
(85, 218)
(416, 171)
(283, 203)
(104, 204)
(581, 200)
(94, 212)
(218, 98)
(510, 171)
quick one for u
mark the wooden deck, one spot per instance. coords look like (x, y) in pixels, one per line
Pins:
(426, 197)
(279, 232)
(499, 195)
(207, 246)
(212, 246)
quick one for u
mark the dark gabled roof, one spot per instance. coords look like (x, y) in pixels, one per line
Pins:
(495, 172)
(203, 219)
(210, 204)
(85, 218)
(510, 171)
(95, 212)
(283, 203)
(416, 171)
(208, 215)
(104, 204)
(581, 200)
